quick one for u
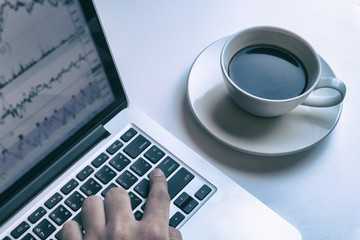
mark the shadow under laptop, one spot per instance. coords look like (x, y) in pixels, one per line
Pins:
(235, 159)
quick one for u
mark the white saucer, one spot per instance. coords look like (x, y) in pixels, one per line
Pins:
(221, 117)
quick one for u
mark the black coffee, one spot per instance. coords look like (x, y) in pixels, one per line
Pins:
(268, 72)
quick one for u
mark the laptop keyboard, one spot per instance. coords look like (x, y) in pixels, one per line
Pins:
(127, 163)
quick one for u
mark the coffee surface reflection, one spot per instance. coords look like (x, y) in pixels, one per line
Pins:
(268, 72)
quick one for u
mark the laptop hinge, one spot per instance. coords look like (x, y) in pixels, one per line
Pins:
(46, 177)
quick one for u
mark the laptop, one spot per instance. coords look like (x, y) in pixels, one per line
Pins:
(67, 132)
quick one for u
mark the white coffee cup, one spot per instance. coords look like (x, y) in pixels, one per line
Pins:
(297, 46)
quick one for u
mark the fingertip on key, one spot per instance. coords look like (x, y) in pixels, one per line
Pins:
(157, 173)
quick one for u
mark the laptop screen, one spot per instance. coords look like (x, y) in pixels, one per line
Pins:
(57, 81)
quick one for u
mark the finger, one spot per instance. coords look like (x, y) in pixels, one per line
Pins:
(158, 202)
(71, 230)
(93, 215)
(118, 206)
(174, 234)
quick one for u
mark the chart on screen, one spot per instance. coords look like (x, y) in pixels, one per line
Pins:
(46, 55)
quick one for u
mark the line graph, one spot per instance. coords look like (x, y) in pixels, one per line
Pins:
(15, 110)
(43, 129)
(29, 31)
(22, 68)
(27, 5)
(51, 80)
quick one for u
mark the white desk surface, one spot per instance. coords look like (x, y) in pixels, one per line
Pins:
(154, 44)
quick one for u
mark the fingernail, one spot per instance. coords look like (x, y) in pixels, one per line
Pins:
(157, 173)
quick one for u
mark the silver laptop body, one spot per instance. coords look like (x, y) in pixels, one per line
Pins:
(67, 132)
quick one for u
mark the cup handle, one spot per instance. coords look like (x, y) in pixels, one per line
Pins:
(326, 101)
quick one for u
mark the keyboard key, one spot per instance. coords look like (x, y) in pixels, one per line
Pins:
(128, 135)
(75, 201)
(90, 187)
(28, 236)
(140, 167)
(186, 203)
(114, 147)
(189, 205)
(203, 192)
(67, 188)
(137, 146)
(126, 179)
(58, 235)
(51, 202)
(99, 160)
(138, 215)
(83, 174)
(119, 162)
(143, 206)
(154, 154)
(135, 200)
(111, 185)
(143, 188)
(168, 166)
(105, 174)
(179, 181)
(37, 214)
(78, 219)
(6, 238)
(180, 201)
(60, 215)
(20, 229)
(44, 229)
(176, 219)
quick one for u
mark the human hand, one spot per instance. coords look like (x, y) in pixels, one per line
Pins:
(112, 218)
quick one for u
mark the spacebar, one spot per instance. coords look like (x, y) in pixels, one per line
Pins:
(179, 181)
